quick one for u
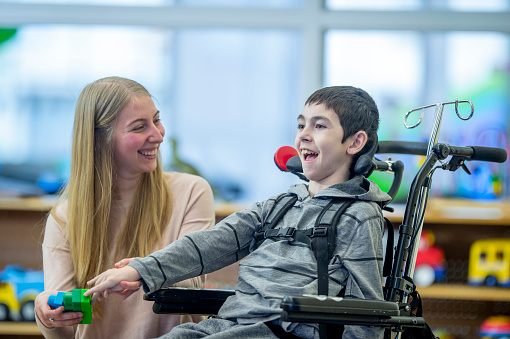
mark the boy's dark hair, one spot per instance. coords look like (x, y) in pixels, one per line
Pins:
(355, 109)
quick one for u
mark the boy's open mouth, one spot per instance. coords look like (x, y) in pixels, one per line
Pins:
(308, 155)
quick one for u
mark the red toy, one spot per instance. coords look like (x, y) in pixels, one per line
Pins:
(430, 261)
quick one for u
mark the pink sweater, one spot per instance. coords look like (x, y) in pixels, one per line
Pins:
(193, 209)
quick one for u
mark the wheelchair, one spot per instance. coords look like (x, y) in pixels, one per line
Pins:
(395, 313)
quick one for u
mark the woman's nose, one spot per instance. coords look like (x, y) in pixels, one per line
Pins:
(157, 134)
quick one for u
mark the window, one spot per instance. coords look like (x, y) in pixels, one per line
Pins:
(230, 77)
(226, 101)
(405, 70)
(458, 5)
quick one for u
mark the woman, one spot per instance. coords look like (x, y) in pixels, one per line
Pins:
(118, 203)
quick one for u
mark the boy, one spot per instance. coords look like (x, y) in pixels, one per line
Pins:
(336, 126)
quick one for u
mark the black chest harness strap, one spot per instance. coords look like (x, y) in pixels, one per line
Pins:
(321, 237)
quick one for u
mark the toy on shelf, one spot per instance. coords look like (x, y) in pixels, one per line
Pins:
(18, 288)
(73, 301)
(430, 261)
(443, 334)
(489, 263)
(495, 327)
(8, 303)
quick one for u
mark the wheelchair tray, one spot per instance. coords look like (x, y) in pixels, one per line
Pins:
(175, 300)
(322, 304)
(336, 310)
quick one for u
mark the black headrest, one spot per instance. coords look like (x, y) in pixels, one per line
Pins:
(364, 164)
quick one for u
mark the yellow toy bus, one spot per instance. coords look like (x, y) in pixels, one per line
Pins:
(489, 263)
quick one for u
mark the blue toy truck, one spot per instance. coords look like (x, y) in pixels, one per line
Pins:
(18, 288)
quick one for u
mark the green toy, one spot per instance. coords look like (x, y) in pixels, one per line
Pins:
(73, 301)
(6, 34)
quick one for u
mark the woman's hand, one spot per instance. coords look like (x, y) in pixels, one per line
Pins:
(57, 317)
(122, 281)
(130, 286)
(123, 262)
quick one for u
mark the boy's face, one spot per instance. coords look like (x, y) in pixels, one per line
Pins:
(324, 157)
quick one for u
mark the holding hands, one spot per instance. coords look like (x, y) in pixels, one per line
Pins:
(122, 280)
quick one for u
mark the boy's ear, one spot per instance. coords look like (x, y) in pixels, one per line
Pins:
(357, 142)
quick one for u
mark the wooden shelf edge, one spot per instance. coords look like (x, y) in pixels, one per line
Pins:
(19, 328)
(460, 211)
(439, 210)
(225, 209)
(465, 292)
(43, 204)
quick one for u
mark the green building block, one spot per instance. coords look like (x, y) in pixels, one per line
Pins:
(74, 301)
(83, 303)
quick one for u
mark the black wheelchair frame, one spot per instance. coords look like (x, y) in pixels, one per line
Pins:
(394, 312)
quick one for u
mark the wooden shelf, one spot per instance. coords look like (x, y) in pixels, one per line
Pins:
(439, 210)
(18, 328)
(44, 203)
(465, 292)
(456, 224)
(459, 212)
(225, 209)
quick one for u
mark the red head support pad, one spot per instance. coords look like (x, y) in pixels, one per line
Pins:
(282, 155)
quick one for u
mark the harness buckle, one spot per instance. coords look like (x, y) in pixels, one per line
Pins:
(319, 232)
(282, 232)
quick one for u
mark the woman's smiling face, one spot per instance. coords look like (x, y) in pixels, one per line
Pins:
(137, 136)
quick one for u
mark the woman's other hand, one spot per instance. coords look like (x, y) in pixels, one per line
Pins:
(54, 318)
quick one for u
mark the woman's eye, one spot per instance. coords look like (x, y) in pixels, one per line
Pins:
(138, 128)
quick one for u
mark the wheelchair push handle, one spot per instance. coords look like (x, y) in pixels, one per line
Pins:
(480, 153)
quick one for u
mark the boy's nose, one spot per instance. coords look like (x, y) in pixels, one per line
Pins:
(304, 134)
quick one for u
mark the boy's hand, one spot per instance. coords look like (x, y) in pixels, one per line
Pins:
(130, 287)
(110, 281)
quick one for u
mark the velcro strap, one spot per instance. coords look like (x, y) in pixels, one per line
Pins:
(292, 232)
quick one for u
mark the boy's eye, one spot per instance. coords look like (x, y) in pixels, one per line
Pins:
(320, 126)
(300, 126)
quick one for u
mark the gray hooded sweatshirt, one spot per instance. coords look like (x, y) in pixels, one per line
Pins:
(283, 266)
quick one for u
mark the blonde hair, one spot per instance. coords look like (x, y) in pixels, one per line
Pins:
(91, 184)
